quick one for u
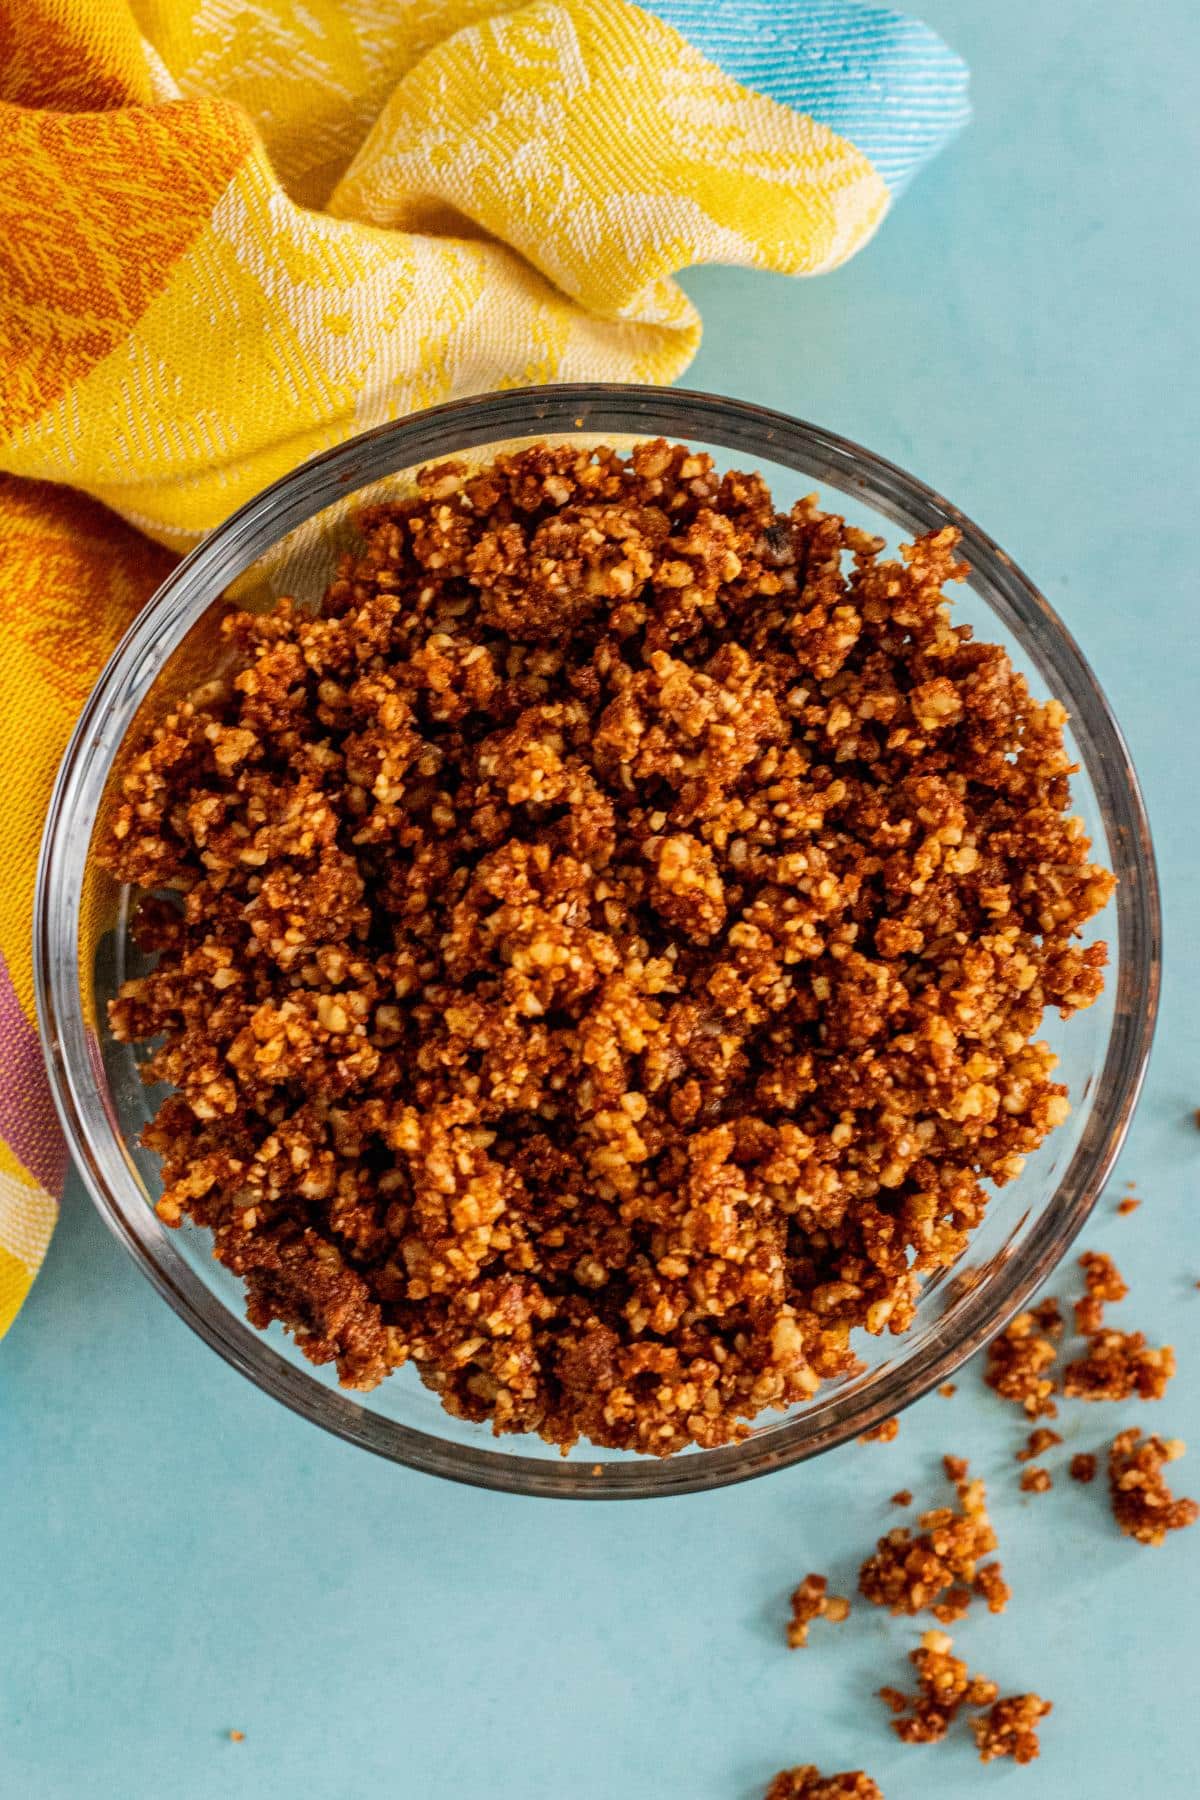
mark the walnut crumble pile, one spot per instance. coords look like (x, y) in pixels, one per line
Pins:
(1142, 1503)
(1009, 1728)
(944, 1688)
(1017, 1364)
(604, 945)
(1118, 1364)
(812, 1600)
(807, 1783)
(938, 1567)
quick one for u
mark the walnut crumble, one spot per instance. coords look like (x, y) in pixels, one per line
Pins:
(944, 1687)
(1142, 1503)
(1017, 1366)
(937, 1567)
(810, 1601)
(1040, 1439)
(1117, 1365)
(1009, 1728)
(1104, 1285)
(604, 946)
(807, 1783)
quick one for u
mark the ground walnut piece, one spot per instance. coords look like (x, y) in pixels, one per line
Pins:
(944, 1687)
(808, 1783)
(1117, 1365)
(1039, 1440)
(811, 1600)
(1047, 1316)
(1009, 1728)
(1105, 1286)
(1017, 1366)
(1142, 1503)
(910, 1571)
(607, 944)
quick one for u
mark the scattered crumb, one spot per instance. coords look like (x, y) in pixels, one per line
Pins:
(1017, 1361)
(954, 1607)
(944, 1686)
(237, 1737)
(1083, 1466)
(956, 1467)
(1127, 1205)
(808, 1603)
(808, 1783)
(597, 1468)
(1102, 1276)
(902, 1497)
(1118, 1364)
(1089, 1316)
(909, 1572)
(1009, 1728)
(1035, 1480)
(1047, 1316)
(1142, 1503)
(948, 1390)
(1105, 1286)
(885, 1432)
(991, 1586)
(1038, 1440)
(811, 1601)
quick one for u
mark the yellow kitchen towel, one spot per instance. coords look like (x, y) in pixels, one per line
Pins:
(231, 236)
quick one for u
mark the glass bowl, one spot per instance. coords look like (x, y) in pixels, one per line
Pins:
(284, 541)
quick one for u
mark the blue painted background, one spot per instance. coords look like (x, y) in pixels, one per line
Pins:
(178, 1556)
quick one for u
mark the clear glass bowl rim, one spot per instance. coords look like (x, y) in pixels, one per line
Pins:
(432, 436)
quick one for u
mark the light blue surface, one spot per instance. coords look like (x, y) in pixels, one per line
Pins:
(880, 78)
(179, 1556)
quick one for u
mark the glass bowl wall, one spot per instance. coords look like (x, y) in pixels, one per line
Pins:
(285, 541)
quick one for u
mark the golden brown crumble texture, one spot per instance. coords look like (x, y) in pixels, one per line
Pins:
(936, 1567)
(600, 954)
(1082, 1466)
(1036, 1480)
(1009, 1728)
(1017, 1365)
(991, 1587)
(1040, 1439)
(1105, 1285)
(1047, 1316)
(810, 1601)
(944, 1687)
(1117, 1365)
(1142, 1503)
(807, 1783)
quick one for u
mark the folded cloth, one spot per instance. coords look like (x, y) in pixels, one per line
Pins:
(230, 237)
